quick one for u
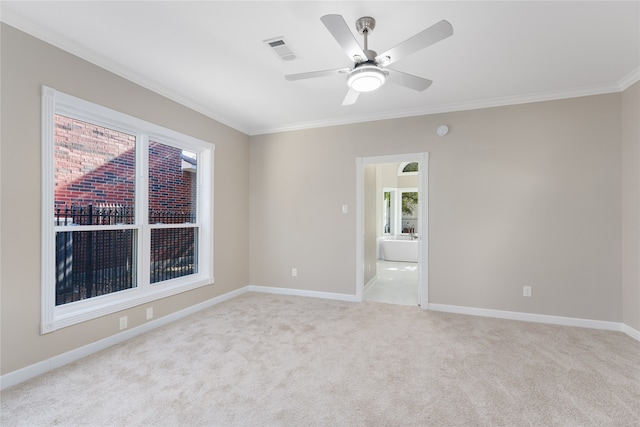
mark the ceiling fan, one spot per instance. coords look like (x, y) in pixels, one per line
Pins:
(370, 71)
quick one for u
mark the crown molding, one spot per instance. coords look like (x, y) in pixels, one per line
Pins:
(620, 86)
(77, 49)
(630, 79)
(93, 57)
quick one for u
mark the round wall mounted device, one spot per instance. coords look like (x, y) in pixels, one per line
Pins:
(442, 130)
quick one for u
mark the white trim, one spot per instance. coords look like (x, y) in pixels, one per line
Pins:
(423, 227)
(602, 89)
(360, 228)
(633, 333)
(93, 57)
(538, 318)
(92, 308)
(393, 209)
(370, 283)
(47, 244)
(97, 59)
(55, 317)
(629, 79)
(423, 219)
(28, 372)
(304, 293)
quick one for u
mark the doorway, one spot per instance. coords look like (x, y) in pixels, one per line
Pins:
(392, 210)
(396, 282)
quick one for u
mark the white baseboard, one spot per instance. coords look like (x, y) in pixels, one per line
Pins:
(303, 293)
(539, 318)
(28, 372)
(633, 333)
(369, 284)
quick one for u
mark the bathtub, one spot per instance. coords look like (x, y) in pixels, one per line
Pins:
(393, 249)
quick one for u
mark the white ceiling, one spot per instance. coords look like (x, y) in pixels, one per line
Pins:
(210, 55)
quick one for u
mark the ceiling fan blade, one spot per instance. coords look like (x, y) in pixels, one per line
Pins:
(351, 97)
(340, 31)
(314, 74)
(431, 35)
(408, 80)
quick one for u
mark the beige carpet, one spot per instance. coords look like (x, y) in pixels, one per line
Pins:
(271, 360)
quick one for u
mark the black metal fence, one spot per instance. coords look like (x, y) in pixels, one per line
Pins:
(173, 253)
(94, 215)
(93, 263)
(98, 262)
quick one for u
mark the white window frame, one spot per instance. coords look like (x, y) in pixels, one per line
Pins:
(55, 317)
(395, 211)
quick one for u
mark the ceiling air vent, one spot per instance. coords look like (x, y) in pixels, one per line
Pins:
(280, 47)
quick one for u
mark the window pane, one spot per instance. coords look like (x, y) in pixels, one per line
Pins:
(173, 253)
(94, 263)
(172, 200)
(411, 167)
(94, 167)
(387, 212)
(409, 211)
(172, 185)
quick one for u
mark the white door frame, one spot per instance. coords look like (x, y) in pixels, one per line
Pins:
(423, 220)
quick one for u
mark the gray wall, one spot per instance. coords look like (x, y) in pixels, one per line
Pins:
(28, 63)
(519, 195)
(523, 195)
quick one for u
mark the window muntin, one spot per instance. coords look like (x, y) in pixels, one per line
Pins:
(105, 213)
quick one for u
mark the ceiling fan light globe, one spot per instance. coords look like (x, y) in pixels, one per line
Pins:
(366, 79)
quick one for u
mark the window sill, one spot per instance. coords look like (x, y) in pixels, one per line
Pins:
(82, 311)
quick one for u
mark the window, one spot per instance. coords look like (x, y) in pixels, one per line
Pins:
(400, 211)
(408, 168)
(389, 211)
(409, 207)
(126, 211)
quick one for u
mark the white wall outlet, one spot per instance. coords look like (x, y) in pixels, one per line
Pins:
(149, 313)
(294, 272)
(123, 322)
(526, 291)
(345, 208)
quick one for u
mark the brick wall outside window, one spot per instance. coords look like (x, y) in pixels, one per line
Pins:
(170, 188)
(96, 165)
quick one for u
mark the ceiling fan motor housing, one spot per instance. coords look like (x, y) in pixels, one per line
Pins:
(365, 24)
